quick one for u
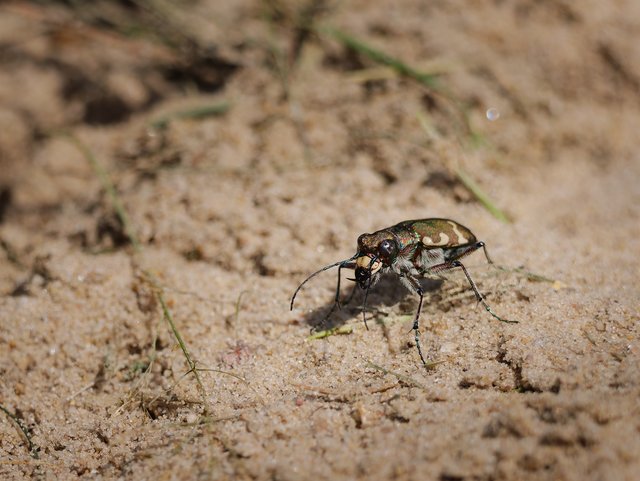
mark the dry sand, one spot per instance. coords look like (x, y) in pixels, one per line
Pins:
(234, 211)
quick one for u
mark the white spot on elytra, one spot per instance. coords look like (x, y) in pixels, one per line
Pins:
(443, 240)
(461, 239)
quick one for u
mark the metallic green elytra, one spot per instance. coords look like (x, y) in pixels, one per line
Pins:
(411, 249)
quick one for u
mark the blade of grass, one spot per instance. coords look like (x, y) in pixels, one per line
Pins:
(429, 80)
(237, 311)
(192, 365)
(482, 197)
(402, 377)
(203, 112)
(108, 186)
(33, 450)
(330, 332)
(118, 206)
(383, 58)
(463, 177)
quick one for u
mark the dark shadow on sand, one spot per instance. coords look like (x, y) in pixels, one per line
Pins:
(386, 293)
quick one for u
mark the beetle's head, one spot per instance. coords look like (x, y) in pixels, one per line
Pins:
(376, 251)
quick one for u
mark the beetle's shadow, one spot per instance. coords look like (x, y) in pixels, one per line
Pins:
(386, 293)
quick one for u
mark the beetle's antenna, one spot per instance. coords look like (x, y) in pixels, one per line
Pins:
(316, 273)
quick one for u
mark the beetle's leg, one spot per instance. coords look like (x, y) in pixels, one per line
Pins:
(346, 265)
(415, 287)
(479, 296)
(336, 303)
(416, 326)
(486, 254)
(366, 292)
(323, 323)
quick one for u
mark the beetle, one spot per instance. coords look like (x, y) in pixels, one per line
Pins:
(410, 250)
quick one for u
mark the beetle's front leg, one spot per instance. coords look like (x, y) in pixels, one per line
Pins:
(336, 302)
(346, 265)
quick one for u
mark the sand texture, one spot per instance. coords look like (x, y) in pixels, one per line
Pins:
(193, 162)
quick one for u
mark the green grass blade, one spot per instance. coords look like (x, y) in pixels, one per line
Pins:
(121, 212)
(203, 112)
(192, 365)
(482, 197)
(330, 332)
(108, 186)
(33, 449)
(383, 58)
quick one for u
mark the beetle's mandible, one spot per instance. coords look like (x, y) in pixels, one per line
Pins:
(410, 250)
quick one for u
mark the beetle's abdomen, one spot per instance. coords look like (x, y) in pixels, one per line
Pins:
(446, 233)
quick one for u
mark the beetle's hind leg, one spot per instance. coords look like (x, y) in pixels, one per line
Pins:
(346, 265)
(486, 253)
(479, 296)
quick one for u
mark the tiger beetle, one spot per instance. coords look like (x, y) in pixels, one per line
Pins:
(410, 249)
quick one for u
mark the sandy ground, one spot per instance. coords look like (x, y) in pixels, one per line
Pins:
(319, 144)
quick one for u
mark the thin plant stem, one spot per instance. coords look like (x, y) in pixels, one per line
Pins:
(383, 58)
(33, 450)
(121, 212)
(481, 195)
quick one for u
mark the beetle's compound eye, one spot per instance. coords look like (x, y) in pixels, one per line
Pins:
(387, 249)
